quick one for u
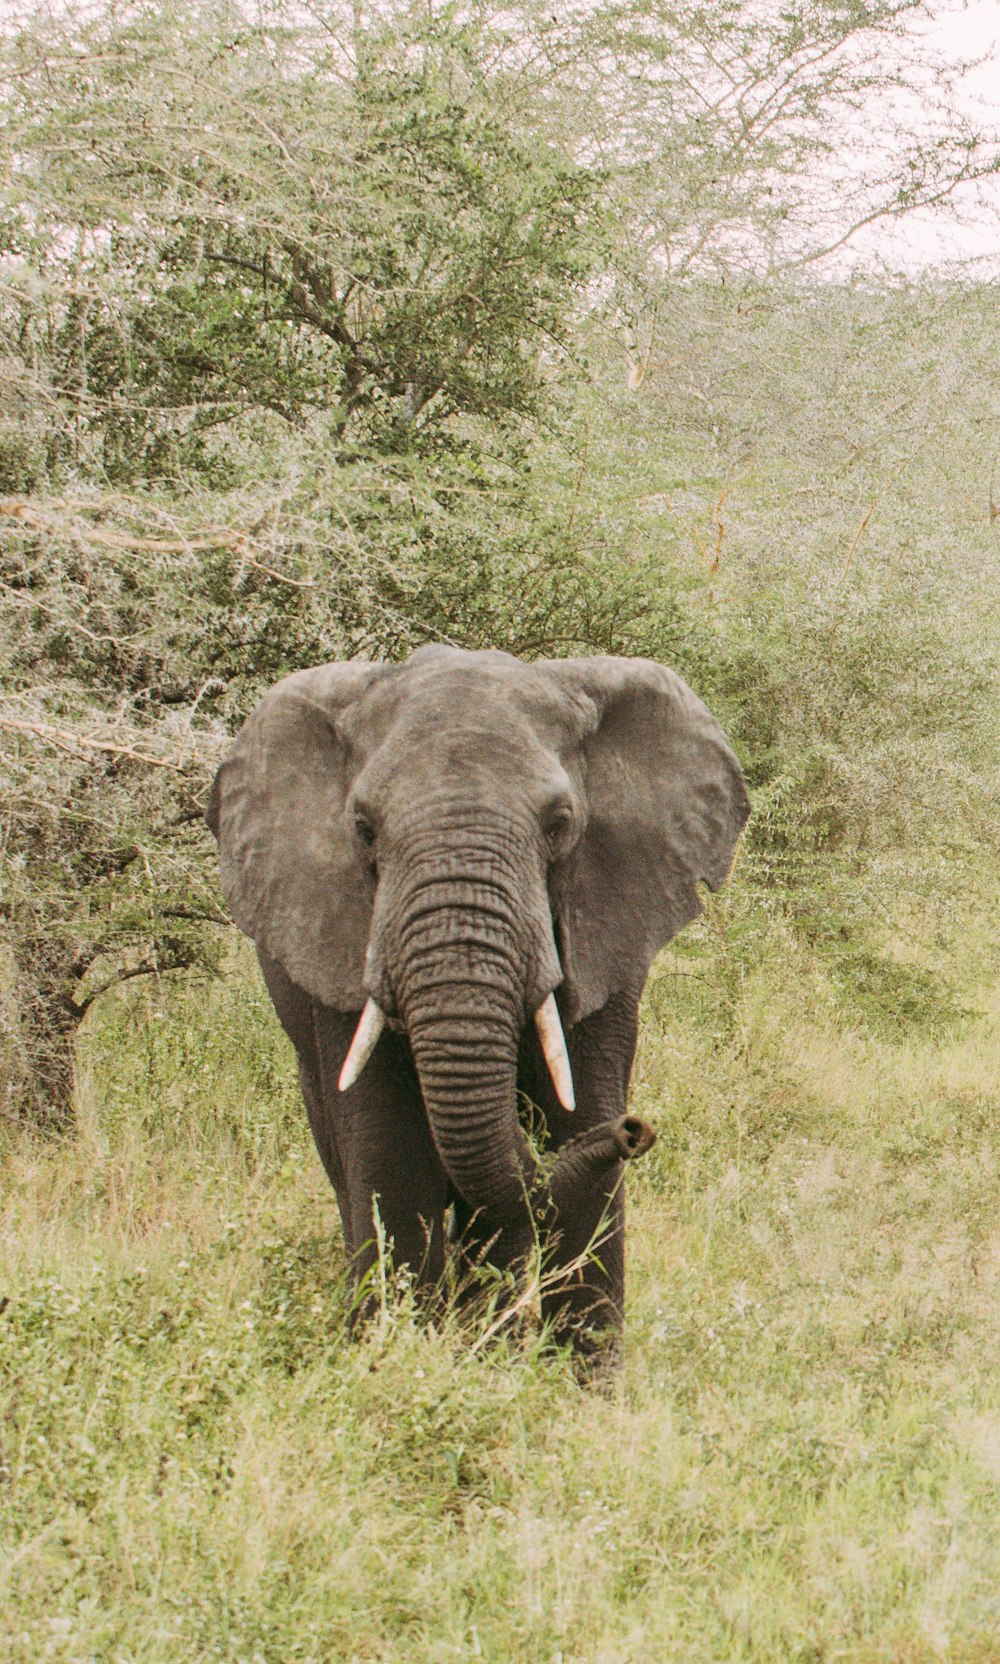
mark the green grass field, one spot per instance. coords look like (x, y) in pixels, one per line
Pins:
(507, 326)
(800, 1460)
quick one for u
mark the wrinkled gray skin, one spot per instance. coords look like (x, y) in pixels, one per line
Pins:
(458, 837)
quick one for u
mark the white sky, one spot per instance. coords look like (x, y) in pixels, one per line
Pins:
(969, 229)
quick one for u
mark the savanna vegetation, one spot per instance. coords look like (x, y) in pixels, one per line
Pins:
(327, 331)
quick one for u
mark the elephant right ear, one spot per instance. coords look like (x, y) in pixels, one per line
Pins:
(666, 804)
(291, 872)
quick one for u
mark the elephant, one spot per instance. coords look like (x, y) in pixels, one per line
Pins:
(457, 871)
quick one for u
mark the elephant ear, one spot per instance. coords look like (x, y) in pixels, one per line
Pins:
(666, 805)
(291, 873)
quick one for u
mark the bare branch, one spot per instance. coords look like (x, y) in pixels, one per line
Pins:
(63, 739)
(153, 966)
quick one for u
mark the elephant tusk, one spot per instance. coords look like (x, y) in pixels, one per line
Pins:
(370, 1026)
(550, 1033)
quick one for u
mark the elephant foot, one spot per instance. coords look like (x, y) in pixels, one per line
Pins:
(597, 1356)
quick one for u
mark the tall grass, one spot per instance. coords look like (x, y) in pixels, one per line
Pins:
(800, 1460)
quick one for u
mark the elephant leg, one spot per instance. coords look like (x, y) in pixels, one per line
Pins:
(477, 1251)
(324, 1137)
(373, 1140)
(393, 1180)
(295, 1013)
(587, 1303)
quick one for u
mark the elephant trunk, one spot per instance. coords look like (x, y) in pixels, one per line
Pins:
(466, 958)
(464, 963)
(468, 1078)
(584, 1161)
(586, 1166)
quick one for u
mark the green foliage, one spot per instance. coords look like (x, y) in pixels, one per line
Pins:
(360, 222)
(894, 996)
(293, 293)
(311, 350)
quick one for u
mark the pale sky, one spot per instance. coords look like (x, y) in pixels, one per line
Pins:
(959, 31)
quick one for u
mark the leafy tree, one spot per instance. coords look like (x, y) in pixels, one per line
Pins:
(303, 354)
(350, 218)
(284, 307)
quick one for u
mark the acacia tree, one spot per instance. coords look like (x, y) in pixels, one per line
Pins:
(351, 217)
(293, 309)
(277, 304)
(757, 142)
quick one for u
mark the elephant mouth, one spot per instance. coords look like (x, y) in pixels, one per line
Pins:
(547, 1022)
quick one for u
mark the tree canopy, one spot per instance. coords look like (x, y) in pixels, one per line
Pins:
(318, 332)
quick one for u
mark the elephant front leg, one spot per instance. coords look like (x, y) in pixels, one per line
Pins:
(482, 1251)
(392, 1187)
(584, 1297)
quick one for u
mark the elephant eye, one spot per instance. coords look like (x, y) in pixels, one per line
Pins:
(558, 827)
(365, 830)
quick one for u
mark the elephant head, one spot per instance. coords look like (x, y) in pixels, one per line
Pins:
(447, 844)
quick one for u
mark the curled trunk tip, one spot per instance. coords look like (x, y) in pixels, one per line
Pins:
(586, 1162)
(633, 1137)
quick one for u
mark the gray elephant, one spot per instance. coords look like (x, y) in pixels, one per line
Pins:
(457, 872)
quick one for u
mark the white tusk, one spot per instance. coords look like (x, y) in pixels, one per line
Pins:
(370, 1026)
(553, 1040)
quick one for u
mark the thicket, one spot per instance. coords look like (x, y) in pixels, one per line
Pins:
(325, 335)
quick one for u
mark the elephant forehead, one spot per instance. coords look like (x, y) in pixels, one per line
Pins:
(469, 757)
(455, 696)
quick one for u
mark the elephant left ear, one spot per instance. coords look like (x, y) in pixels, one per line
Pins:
(666, 804)
(291, 870)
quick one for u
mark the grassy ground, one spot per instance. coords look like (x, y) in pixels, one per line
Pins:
(801, 1460)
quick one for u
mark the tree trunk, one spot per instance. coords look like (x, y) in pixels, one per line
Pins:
(40, 1066)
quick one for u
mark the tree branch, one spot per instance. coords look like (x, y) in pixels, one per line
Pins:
(148, 967)
(63, 739)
